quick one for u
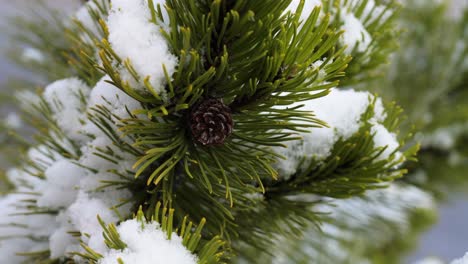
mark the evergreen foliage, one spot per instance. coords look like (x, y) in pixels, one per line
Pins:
(124, 134)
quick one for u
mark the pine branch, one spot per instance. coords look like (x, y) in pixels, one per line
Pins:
(208, 251)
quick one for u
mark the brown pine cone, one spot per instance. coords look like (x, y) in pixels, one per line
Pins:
(211, 122)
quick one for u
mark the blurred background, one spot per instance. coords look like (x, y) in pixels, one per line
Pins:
(447, 239)
(12, 8)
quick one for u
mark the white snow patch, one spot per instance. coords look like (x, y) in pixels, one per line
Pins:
(19, 227)
(27, 99)
(355, 34)
(42, 155)
(65, 98)
(356, 221)
(67, 187)
(463, 260)
(10, 205)
(134, 37)
(119, 104)
(60, 241)
(309, 6)
(13, 121)
(62, 180)
(372, 12)
(32, 54)
(319, 65)
(442, 138)
(83, 15)
(445, 138)
(342, 110)
(114, 99)
(82, 214)
(422, 3)
(84, 211)
(21, 180)
(379, 111)
(420, 176)
(383, 138)
(429, 260)
(148, 245)
(456, 9)
(398, 199)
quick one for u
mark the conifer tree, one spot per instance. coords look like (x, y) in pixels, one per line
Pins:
(231, 131)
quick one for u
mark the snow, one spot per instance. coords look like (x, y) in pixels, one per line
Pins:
(89, 158)
(66, 185)
(60, 241)
(19, 227)
(342, 110)
(398, 199)
(53, 192)
(442, 138)
(119, 104)
(463, 260)
(379, 111)
(355, 34)
(10, 246)
(60, 190)
(134, 37)
(383, 138)
(18, 178)
(81, 216)
(42, 155)
(73, 191)
(309, 6)
(84, 212)
(13, 121)
(429, 260)
(456, 9)
(90, 202)
(419, 176)
(32, 54)
(356, 221)
(114, 99)
(148, 244)
(84, 16)
(318, 65)
(65, 100)
(422, 3)
(27, 99)
(460, 47)
(445, 138)
(372, 12)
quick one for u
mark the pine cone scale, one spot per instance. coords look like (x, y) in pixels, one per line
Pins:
(211, 122)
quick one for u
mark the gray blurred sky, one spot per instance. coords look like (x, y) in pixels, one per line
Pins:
(16, 7)
(448, 239)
